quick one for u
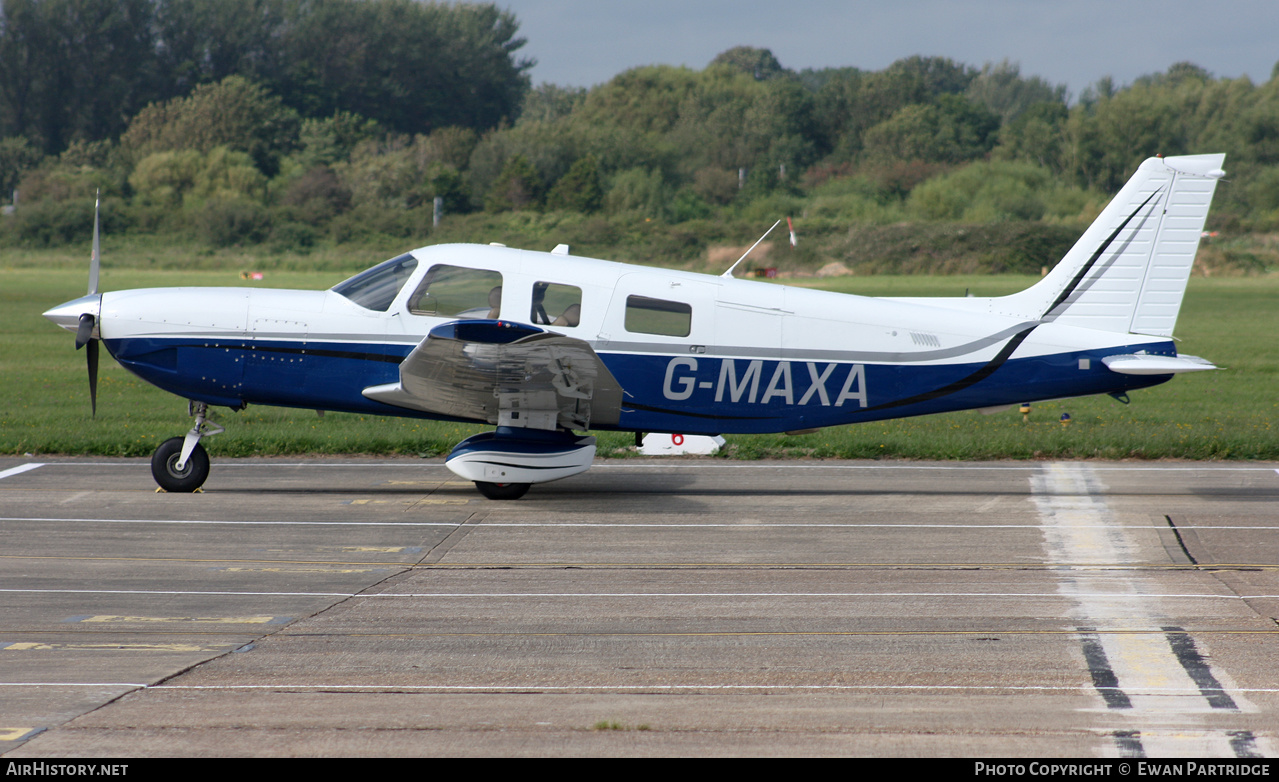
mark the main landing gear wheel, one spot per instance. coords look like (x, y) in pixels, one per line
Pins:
(502, 491)
(193, 475)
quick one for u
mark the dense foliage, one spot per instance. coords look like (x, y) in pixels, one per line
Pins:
(297, 123)
(81, 70)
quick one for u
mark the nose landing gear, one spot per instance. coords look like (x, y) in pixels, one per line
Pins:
(181, 464)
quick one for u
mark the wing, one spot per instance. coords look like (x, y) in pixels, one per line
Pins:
(505, 373)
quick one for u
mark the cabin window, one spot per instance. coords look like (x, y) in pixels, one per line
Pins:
(656, 316)
(376, 288)
(556, 305)
(458, 292)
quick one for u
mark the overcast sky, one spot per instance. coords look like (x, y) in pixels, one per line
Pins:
(1071, 42)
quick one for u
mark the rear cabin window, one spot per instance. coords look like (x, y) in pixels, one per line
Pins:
(458, 292)
(376, 288)
(556, 305)
(657, 316)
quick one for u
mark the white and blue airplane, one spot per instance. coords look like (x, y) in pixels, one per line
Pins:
(546, 346)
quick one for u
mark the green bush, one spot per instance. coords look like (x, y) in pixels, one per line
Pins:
(517, 187)
(854, 199)
(290, 236)
(579, 189)
(17, 155)
(229, 175)
(637, 190)
(317, 196)
(41, 224)
(368, 223)
(164, 178)
(998, 191)
(223, 222)
(688, 205)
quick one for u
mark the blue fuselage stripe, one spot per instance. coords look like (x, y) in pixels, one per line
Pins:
(664, 393)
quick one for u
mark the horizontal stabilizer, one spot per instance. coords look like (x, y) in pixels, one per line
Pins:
(1147, 364)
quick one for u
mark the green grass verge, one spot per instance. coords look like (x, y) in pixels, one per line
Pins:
(44, 406)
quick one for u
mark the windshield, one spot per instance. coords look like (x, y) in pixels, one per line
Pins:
(376, 288)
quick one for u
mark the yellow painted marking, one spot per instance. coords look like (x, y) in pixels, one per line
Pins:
(29, 646)
(13, 734)
(374, 549)
(467, 484)
(236, 620)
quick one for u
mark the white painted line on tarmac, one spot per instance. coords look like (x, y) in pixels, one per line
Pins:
(1124, 596)
(1127, 668)
(890, 595)
(20, 469)
(1164, 691)
(252, 523)
(506, 687)
(129, 685)
(618, 525)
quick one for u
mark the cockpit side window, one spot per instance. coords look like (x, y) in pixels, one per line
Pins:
(458, 292)
(658, 316)
(376, 288)
(556, 305)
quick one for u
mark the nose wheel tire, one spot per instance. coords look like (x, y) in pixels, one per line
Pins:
(164, 467)
(502, 491)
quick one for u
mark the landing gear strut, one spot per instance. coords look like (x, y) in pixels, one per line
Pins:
(181, 464)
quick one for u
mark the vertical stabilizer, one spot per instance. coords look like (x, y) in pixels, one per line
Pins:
(1128, 272)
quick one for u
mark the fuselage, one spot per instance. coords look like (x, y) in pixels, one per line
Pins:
(692, 353)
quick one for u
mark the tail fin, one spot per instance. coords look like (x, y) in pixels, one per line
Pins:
(1128, 272)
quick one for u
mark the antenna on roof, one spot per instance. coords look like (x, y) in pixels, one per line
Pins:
(729, 273)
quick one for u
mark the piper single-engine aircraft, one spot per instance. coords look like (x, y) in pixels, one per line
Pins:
(546, 345)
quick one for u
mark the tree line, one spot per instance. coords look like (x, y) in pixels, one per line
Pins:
(80, 70)
(304, 121)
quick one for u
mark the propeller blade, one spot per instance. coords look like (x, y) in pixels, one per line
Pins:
(95, 260)
(84, 332)
(93, 376)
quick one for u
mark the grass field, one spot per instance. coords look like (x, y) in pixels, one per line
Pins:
(44, 400)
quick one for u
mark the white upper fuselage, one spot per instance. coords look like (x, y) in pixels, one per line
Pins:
(730, 317)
